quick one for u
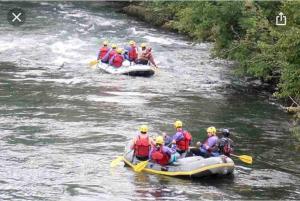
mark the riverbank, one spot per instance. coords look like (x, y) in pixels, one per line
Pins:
(241, 32)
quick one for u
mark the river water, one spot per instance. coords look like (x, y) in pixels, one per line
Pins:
(62, 123)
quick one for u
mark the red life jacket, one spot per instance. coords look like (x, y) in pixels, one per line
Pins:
(160, 157)
(132, 53)
(117, 60)
(103, 52)
(184, 144)
(111, 54)
(142, 147)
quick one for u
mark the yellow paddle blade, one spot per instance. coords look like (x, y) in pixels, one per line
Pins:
(116, 161)
(244, 158)
(140, 166)
(94, 62)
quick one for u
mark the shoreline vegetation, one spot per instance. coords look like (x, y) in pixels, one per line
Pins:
(243, 31)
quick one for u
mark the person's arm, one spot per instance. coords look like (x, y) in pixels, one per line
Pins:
(178, 136)
(169, 151)
(150, 152)
(151, 142)
(133, 143)
(111, 60)
(168, 139)
(152, 60)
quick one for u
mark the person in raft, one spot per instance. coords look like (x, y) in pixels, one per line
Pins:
(131, 52)
(109, 54)
(209, 147)
(103, 50)
(117, 60)
(162, 154)
(142, 144)
(225, 144)
(146, 56)
(182, 138)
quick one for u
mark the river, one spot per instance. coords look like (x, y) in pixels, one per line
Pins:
(62, 123)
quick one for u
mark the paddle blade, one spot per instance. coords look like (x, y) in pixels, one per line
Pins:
(140, 166)
(94, 62)
(116, 161)
(246, 159)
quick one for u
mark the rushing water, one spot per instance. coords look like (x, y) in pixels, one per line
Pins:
(62, 123)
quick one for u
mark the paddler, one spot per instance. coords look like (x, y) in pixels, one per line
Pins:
(103, 50)
(225, 144)
(146, 56)
(181, 138)
(109, 54)
(131, 52)
(142, 144)
(210, 145)
(162, 154)
(117, 59)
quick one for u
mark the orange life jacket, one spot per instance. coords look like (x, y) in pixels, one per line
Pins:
(117, 60)
(132, 53)
(142, 147)
(160, 157)
(103, 51)
(184, 144)
(111, 54)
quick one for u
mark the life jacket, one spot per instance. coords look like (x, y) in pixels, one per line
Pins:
(184, 143)
(117, 60)
(142, 147)
(132, 53)
(160, 157)
(111, 54)
(103, 52)
(225, 146)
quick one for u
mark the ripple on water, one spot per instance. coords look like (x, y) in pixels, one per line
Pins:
(267, 178)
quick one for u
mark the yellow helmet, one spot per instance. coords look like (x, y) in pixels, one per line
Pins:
(159, 140)
(119, 50)
(105, 42)
(143, 45)
(212, 130)
(131, 42)
(114, 46)
(144, 128)
(178, 124)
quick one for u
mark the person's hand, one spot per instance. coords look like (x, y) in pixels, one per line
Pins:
(174, 142)
(198, 144)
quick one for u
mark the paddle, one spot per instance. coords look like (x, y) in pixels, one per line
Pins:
(140, 166)
(93, 62)
(244, 158)
(116, 161)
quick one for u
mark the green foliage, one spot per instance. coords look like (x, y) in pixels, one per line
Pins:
(244, 31)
